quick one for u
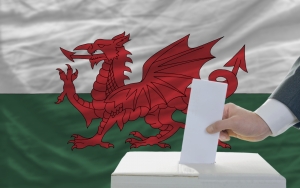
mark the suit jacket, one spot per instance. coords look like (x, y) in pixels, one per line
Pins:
(288, 92)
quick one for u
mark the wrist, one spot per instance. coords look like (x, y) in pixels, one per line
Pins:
(264, 127)
(276, 115)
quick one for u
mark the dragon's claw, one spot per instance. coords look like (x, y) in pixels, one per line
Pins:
(59, 70)
(77, 136)
(131, 140)
(138, 135)
(60, 98)
(68, 80)
(69, 66)
(80, 142)
(62, 74)
(133, 146)
(152, 140)
(223, 144)
(58, 101)
(163, 145)
(74, 75)
(66, 77)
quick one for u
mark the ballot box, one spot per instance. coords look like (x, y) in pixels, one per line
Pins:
(162, 170)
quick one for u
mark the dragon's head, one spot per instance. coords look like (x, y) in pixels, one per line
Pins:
(109, 49)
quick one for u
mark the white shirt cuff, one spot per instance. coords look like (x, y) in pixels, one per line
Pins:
(278, 116)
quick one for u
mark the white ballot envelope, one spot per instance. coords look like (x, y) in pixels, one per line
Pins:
(205, 107)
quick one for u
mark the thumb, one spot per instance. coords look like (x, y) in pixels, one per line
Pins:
(218, 126)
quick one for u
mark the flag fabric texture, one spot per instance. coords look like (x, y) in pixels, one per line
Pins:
(35, 130)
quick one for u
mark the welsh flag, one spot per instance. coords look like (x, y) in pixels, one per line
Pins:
(256, 41)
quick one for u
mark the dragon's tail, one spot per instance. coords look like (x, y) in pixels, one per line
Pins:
(83, 102)
(230, 79)
(238, 61)
(84, 107)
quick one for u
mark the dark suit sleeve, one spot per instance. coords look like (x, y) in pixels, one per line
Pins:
(288, 92)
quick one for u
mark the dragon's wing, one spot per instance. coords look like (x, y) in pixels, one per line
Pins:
(166, 75)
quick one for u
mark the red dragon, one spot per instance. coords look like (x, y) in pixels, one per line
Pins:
(162, 90)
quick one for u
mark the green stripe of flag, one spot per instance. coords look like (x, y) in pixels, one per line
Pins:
(35, 153)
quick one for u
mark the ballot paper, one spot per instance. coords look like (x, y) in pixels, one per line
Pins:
(205, 107)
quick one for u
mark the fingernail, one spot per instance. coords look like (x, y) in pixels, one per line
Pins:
(222, 137)
(209, 129)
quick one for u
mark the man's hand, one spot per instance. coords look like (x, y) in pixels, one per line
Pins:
(240, 123)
